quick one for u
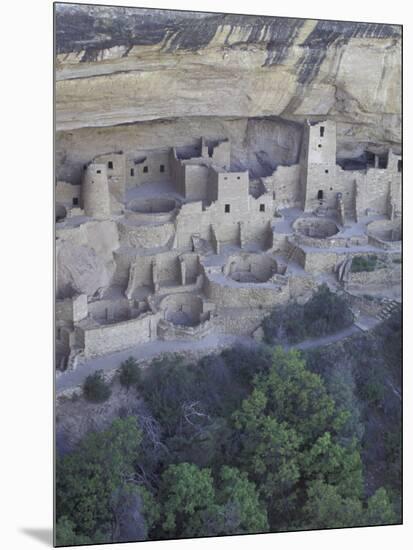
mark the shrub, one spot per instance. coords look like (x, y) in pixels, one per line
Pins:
(285, 321)
(364, 263)
(95, 388)
(326, 313)
(129, 373)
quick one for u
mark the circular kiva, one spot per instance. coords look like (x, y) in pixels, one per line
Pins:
(152, 206)
(315, 228)
(250, 268)
(182, 309)
(386, 230)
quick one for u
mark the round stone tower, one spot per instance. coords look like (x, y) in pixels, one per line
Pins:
(95, 191)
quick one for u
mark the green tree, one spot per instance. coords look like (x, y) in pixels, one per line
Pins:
(295, 395)
(129, 373)
(186, 493)
(193, 505)
(268, 448)
(95, 388)
(379, 509)
(66, 535)
(87, 478)
(237, 495)
(326, 508)
(335, 464)
(286, 439)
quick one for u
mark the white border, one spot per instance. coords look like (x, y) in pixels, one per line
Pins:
(26, 283)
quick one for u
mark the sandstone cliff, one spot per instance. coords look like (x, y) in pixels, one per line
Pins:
(130, 79)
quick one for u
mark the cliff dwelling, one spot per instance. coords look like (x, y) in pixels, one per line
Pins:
(178, 243)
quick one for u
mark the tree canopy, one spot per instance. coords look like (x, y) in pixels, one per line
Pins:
(244, 441)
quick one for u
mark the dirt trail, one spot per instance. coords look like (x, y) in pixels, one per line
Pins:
(144, 352)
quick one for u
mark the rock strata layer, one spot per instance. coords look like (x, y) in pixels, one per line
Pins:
(119, 68)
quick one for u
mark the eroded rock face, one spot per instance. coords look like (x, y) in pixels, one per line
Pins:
(80, 270)
(136, 79)
(84, 258)
(257, 144)
(117, 66)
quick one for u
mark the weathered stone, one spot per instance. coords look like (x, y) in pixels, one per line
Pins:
(170, 188)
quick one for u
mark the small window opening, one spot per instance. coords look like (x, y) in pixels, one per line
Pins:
(383, 161)
(331, 188)
(399, 165)
(98, 171)
(110, 165)
(132, 172)
(370, 157)
(75, 201)
(262, 207)
(225, 178)
(320, 145)
(321, 131)
(145, 170)
(238, 178)
(162, 168)
(227, 208)
(326, 171)
(320, 195)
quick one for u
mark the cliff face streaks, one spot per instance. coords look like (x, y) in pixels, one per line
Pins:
(126, 66)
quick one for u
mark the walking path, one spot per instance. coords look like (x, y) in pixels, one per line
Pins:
(143, 352)
(324, 340)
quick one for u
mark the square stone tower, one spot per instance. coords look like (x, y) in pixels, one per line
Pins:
(318, 165)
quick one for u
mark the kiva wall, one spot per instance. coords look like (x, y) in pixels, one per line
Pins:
(243, 296)
(145, 236)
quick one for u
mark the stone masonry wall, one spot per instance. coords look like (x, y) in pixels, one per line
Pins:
(177, 172)
(251, 296)
(384, 276)
(116, 168)
(148, 167)
(145, 236)
(95, 192)
(66, 192)
(319, 262)
(196, 182)
(110, 338)
(239, 321)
